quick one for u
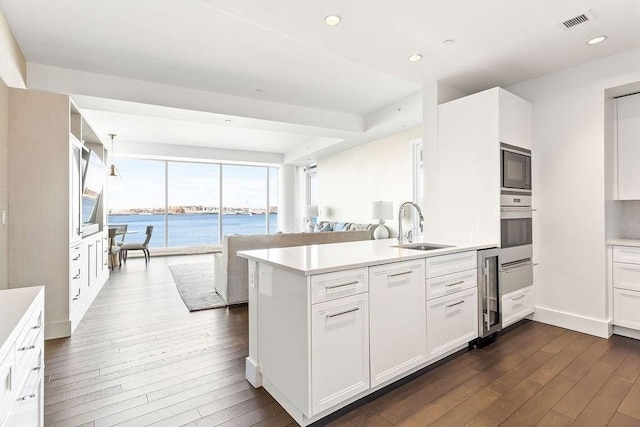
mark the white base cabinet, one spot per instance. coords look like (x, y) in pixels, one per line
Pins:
(319, 342)
(625, 269)
(22, 357)
(398, 336)
(340, 349)
(517, 305)
(452, 321)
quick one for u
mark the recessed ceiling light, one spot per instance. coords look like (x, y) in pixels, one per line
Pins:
(448, 41)
(227, 121)
(597, 40)
(415, 57)
(260, 90)
(332, 20)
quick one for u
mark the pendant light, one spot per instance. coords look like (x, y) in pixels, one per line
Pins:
(114, 176)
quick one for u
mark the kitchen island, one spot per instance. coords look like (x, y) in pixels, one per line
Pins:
(329, 324)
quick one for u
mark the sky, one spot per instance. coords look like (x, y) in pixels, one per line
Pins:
(143, 185)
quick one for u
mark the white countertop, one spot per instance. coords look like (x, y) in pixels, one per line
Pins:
(317, 259)
(14, 303)
(623, 242)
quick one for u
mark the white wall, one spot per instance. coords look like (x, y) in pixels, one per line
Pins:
(569, 189)
(381, 170)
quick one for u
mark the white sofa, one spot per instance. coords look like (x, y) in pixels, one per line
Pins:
(231, 271)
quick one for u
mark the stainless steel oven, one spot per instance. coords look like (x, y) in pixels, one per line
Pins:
(515, 169)
(516, 226)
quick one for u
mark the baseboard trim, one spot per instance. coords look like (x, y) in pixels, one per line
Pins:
(587, 325)
(252, 374)
(53, 330)
(626, 332)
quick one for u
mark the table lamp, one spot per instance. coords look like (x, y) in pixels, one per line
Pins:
(381, 211)
(310, 212)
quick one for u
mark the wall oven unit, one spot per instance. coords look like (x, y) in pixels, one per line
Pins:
(515, 170)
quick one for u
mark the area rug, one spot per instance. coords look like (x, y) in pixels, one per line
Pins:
(196, 287)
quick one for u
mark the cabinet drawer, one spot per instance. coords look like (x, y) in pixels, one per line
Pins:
(329, 286)
(626, 308)
(29, 343)
(451, 283)
(340, 349)
(452, 263)
(452, 321)
(628, 254)
(626, 276)
(516, 305)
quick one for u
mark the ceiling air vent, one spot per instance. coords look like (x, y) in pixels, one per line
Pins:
(576, 20)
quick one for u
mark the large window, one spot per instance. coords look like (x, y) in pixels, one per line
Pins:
(183, 201)
(193, 204)
(140, 200)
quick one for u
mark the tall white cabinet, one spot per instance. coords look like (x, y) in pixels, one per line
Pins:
(46, 135)
(465, 200)
(627, 148)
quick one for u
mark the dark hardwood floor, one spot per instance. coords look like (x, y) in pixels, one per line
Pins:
(140, 358)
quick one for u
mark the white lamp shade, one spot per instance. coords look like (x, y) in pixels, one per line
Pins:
(311, 211)
(382, 210)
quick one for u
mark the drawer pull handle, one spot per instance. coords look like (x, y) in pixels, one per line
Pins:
(31, 396)
(31, 347)
(355, 282)
(36, 327)
(77, 257)
(400, 274)
(37, 368)
(516, 298)
(454, 284)
(329, 316)
(76, 277)
(454, 304)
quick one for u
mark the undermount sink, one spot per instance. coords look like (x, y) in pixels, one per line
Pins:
(422, 246)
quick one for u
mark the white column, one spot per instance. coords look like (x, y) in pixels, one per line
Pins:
(287, 198)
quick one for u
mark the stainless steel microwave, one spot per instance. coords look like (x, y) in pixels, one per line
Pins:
(515, 169)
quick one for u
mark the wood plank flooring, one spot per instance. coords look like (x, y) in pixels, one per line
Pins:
(140, 358)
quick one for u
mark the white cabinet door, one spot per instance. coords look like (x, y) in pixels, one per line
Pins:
(514, 120)
(340, 349)
(398, 332)
(626, 308)
(452, 321)
(516, 305)
(628, 147)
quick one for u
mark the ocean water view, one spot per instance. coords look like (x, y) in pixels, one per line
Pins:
(192, 229)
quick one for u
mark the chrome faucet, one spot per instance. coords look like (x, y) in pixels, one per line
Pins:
(415, 205)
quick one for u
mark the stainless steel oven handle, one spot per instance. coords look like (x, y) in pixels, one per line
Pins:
(518, 267)
(518, 209)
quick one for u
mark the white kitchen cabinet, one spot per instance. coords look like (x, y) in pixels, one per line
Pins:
(625, 268)
(398, 327)
(340, 349)
(626, 308)
(627, 148)
(452, 321)
(517, 305)
(514, 120)
(45, 139)
(464, 203)
(21, 357)
(328, 286)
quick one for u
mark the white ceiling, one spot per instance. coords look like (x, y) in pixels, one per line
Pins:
(317, 83)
